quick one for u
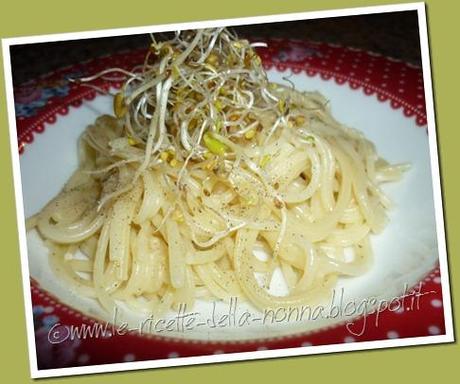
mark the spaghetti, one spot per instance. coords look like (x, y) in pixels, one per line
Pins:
(204, 162)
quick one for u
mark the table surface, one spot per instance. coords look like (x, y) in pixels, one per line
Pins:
(392, 34)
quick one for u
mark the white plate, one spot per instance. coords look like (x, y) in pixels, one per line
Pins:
(403, 253)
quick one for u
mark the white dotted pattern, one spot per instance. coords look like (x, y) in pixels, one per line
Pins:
(262, 348)
(83, 358)
(436, 303)
(392, 334)
(129, 357)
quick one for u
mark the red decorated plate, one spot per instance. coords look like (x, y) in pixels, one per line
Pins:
(382, 97)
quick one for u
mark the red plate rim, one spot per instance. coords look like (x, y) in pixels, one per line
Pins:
(361, 70)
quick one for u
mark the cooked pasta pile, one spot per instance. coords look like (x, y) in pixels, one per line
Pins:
(204, 162)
